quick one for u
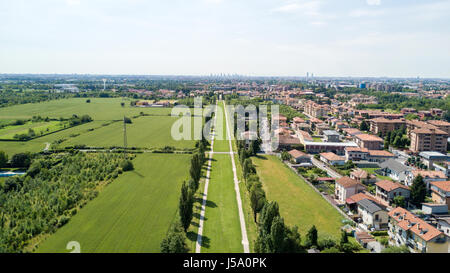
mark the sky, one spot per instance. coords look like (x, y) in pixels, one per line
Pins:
(360, 38)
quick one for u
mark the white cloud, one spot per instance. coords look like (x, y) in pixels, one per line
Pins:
(309, 8)
(373, 2)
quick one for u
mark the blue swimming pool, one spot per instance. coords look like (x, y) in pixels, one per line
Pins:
(8, 174)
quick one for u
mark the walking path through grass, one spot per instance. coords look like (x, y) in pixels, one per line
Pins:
(222, 231)
(198, 245)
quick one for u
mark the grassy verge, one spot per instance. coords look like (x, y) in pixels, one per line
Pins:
(299, 204)
(222, 233)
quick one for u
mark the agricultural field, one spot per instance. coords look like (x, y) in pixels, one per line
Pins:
(222, 233)
(98, 109)
(132, 214)
(144, 132)
(299, 204)
(153, 131)
(39, 128)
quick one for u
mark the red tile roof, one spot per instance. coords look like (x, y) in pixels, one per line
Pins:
(347, 182)
(390, 186)
(443, 185)
(408, 221)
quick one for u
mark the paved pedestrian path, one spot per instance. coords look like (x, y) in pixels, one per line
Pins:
(198, 245)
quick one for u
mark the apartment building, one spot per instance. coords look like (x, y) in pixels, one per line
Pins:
(369, 142)
(425, 139)
(316, 110)
(420, 237)
(384, 125)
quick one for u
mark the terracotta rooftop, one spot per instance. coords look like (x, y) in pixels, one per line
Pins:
(297, 153)
(390, 186)
(332, 156)
(429, 174)
(385, 120)
(367, 137)
(380, 153)
(428, 131)
(408, 221)
(357, 149)
(439, 122)
(443, 185)
(347, 182)
(360, 196)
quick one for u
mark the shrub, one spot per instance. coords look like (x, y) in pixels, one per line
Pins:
(127, 165)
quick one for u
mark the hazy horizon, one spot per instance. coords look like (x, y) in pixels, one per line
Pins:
(257, 38)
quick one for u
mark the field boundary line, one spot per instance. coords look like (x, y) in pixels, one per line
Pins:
(198, 245)
(245, 242)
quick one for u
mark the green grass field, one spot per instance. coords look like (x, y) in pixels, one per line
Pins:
(152, 131)
(222, 233)
(132, 214)
(98, 109)
(40, 129)
(299, 204)
(144, 132)
(221, 143)
(38, 144)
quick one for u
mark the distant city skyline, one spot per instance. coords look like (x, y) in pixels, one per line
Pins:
(284, 38)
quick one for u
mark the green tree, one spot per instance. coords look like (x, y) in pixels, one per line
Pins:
(399, 201)
(364, 126)
(127, 165)
(257, 199)
(311, 237)
(175, 241)
(285, 156)
(418, 191)
(21, 160)
(186, 206)
(3, 159)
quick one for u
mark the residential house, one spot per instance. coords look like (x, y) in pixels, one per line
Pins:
(372, 214)
(331, 136)
(394, 169)
(428, 176)
(332, 159)
(346, 187)
(363, 176)
(380, 156)
(351, 131)
(300, 157)
(444, 225)
(369, 142)
(440, 192)
(420, 237)
(387, 190)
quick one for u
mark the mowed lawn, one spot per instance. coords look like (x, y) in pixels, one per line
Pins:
(222, 232)
(221, 143)
(144, 132)
(132, 214)
(38, 144)
(299, 204)
(98, 109)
